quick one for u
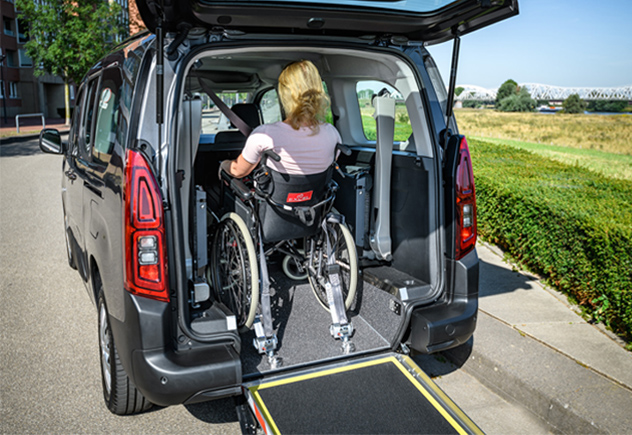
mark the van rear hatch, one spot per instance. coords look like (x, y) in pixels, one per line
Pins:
(431, 21)
(387, 393)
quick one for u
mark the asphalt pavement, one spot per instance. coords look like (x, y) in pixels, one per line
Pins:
(533, 366)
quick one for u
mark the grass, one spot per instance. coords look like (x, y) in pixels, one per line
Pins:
(403, 129)
(609, 133)
(606, 163)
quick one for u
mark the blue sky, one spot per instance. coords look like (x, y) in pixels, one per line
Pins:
(553, 42)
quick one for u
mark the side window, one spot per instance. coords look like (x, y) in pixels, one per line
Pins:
(365, 91)
(107, 115)
(76, 118)
(86, 123)
(271, 107)
(437, 82)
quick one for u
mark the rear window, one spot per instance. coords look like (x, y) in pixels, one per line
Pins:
(414, 6)
(365, 91)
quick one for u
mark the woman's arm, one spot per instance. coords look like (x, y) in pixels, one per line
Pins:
(238, 168)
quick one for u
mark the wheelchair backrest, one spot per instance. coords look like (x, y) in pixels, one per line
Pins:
(292, 195)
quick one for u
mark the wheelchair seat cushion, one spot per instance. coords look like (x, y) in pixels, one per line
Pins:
(301, 193)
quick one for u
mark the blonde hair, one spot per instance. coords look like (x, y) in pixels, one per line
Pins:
(302, 95)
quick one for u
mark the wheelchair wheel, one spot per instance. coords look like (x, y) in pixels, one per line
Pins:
(346, 258)
(293, 270)
(235, 269)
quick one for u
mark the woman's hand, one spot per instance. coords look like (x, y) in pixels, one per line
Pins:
(224, 166)
(238, 168)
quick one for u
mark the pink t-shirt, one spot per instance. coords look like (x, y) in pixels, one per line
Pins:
(301, 151)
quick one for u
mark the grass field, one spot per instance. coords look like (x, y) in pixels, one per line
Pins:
(608, 164)
(609, 133)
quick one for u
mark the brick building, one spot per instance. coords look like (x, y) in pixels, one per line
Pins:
(20, 91)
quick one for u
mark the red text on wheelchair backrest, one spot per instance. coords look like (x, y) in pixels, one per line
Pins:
(299, 197)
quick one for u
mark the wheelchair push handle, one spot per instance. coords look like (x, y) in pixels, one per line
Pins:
(269, 154)
(344, 149)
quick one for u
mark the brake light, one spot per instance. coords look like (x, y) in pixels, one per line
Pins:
(465, 203)
(145, 253)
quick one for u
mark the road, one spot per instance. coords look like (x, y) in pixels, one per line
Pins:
(49, 362)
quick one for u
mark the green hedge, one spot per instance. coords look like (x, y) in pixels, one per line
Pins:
(565, 222)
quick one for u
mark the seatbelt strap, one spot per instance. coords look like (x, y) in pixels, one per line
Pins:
(266, 310)
(234, 118)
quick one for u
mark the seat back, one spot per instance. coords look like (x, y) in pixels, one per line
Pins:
(234, 139)
(294, 191)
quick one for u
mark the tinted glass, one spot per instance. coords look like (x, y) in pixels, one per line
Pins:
(415, 6)
(88, 117)
(108, 114)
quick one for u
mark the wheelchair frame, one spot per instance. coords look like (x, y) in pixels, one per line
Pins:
(332, 278)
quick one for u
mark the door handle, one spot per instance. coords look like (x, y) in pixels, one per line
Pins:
(71, 174)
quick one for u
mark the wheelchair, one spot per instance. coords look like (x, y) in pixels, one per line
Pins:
(270, 212)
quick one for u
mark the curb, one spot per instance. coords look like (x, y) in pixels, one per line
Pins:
(552, 386)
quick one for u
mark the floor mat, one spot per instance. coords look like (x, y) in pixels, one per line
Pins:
(302, 326)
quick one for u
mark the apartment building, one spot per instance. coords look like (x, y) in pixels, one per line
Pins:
(21, 92)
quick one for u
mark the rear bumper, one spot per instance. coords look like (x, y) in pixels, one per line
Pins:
(449, 324)
(163, 375)
(197, 376)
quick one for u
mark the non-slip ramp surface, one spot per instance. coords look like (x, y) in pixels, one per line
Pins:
(382, 395)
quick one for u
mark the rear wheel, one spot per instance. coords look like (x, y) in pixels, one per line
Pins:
(119, 393)
(343, 248)
(235, 271)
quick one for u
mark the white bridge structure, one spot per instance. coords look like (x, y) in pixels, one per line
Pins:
(551, 93)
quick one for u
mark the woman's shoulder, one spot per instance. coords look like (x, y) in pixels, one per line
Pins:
(329, 129)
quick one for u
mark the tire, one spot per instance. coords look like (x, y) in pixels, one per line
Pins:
(291, 269)
(235, 269)
(120, 394)
(347, 259)
(69, 251)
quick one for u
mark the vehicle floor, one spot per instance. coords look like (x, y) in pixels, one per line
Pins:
(302, 325)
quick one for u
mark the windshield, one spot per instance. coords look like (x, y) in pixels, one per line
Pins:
(414, 6)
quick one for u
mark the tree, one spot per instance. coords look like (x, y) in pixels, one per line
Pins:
(574, 104)
(67, 37)
(458, 91)
(517, 102)
(607, 106)
(508, 88)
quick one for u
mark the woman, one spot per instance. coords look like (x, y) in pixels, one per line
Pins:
(305, 143)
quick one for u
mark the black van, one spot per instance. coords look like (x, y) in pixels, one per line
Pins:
(141, 196)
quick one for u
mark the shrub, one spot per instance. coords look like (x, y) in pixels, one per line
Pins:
(574, 104)
(517, 102)
(607, 106)
(569, 224)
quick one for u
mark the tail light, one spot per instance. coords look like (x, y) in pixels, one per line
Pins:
(465, 203)
(145, 253)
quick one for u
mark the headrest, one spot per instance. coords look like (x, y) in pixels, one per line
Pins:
(249, 113)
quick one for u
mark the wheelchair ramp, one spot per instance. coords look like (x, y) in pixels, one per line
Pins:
(383, 394)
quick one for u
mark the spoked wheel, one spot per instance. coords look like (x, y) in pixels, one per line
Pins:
(235, 271)
(343, 248)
